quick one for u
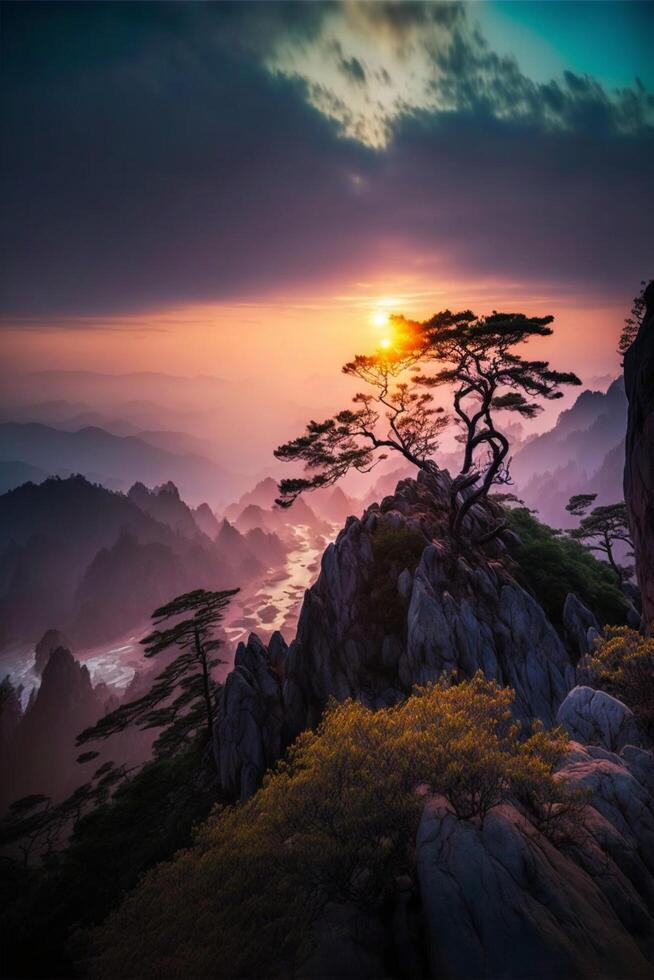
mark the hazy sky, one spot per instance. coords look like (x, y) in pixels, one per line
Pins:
(225, 188)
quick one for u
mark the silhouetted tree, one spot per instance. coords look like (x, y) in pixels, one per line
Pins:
(36, 826)
(476, 361)
(601, 528)
(633, 322)
(182, 699)
(391, 415)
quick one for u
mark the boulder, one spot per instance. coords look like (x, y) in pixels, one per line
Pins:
(597, 718)
(395, 605)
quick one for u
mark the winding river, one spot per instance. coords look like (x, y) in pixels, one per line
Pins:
(270, 603)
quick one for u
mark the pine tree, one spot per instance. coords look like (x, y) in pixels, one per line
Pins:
(477, 361)
(601, 529)
(182, 699)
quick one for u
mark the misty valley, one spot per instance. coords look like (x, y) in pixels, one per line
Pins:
(401, 676)
(326, 490)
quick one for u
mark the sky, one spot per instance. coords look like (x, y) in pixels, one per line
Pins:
(240, 189)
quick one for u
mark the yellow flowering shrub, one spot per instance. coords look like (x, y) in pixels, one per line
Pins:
(336, 821)
(623, 664)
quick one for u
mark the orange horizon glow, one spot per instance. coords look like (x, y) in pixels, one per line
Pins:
(320, 333)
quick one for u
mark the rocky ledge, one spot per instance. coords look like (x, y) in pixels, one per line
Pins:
(449, 613)
(394, 606)
(506, 900)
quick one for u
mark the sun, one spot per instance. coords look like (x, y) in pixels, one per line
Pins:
(380, 318)
(385, 343)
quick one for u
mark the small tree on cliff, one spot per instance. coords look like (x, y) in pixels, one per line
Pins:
(182, 699)
(601, 528)
(633, 322)
(390, 416)
(477, 362)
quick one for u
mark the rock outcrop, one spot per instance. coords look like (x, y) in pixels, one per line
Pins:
(206, 520)
(248, 731)
(395, 606)
(11, 712)
(597, 718)
(164, 504)
(49, 642)
(42, 756)
(580, 626)
(504, 900)
(449, 613)
(639, 452)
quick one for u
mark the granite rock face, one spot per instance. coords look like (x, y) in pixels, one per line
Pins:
(580, 626)
(504, 900)
(394, 606)
(597, 718)
(639, 452)
(456, 614)
(248, 730)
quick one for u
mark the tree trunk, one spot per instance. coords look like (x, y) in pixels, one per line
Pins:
(205, 684)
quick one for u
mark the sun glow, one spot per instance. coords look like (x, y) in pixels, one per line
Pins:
(385, 343)
(380, 318)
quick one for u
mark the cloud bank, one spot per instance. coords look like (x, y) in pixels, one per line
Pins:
(155, 155)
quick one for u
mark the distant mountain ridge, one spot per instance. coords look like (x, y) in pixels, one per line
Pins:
(13, 473)
(94, 563)
(121, 460)
(586, 432)
(582, 453)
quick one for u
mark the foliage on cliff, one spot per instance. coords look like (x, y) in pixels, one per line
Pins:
(150, 816)
(623, 664)
(552, 565)
(394, 549)
(335, 822)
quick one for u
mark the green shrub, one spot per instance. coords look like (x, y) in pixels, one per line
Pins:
(623, 664)
(552, 565)
(335, 822)
(394, 549)
(150, 818)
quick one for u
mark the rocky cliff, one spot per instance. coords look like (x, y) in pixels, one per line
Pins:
(395, 606)
(506, 899)
(41, 754)
(639, 452)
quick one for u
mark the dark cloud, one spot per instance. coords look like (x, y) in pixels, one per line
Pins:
(523, 202)
(353, 69)
(404, 18)
(148, 158)
(172, 170)
(470, 76)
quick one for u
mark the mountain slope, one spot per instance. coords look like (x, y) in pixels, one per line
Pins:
(13, 473)
(584, 434)
(582, 453)
(81, 558)
(127, 459)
